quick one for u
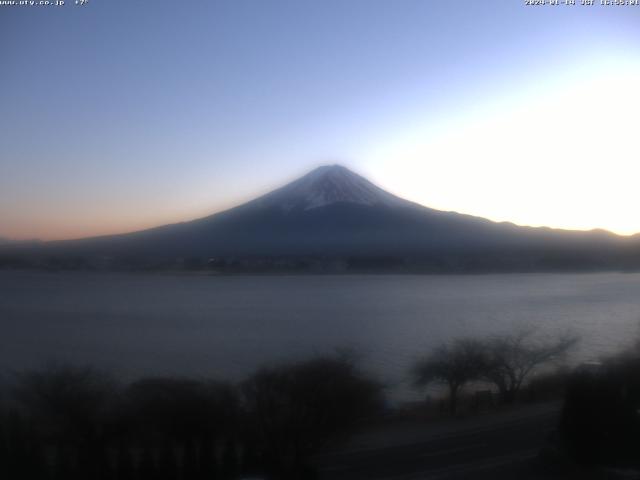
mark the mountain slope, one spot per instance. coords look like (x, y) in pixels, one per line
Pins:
(333, 212)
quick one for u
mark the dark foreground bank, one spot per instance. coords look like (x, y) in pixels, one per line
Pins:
(318, 419)
(69, 423)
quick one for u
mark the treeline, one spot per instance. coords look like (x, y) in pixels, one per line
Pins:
(72, 423)
(67, 423)
(39, 258)
(302, 264)
(600, 421)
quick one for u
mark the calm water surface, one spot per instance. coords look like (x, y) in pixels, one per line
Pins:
(226, 326)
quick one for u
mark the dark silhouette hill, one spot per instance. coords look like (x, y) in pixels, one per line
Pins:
(334, 213)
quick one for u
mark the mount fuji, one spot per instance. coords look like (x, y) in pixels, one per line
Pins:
(333, 212)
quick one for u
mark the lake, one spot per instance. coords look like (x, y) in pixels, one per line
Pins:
(226, 326)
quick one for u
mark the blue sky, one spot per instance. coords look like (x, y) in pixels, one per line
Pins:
(121, 115)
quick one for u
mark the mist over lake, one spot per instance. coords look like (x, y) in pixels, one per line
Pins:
(226, 326)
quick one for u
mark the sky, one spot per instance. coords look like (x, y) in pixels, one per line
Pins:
(119, 115)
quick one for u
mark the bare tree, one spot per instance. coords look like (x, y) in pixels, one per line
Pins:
(66, 401)
(70, 408)
(452, 365)
(510, 359)
(180, 409)
(295, 409)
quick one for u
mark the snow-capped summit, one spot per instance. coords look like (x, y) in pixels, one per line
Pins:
(327, 185)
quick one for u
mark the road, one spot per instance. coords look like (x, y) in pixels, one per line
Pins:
(497, 445)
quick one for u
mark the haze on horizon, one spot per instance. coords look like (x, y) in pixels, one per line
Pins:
(123, 116)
